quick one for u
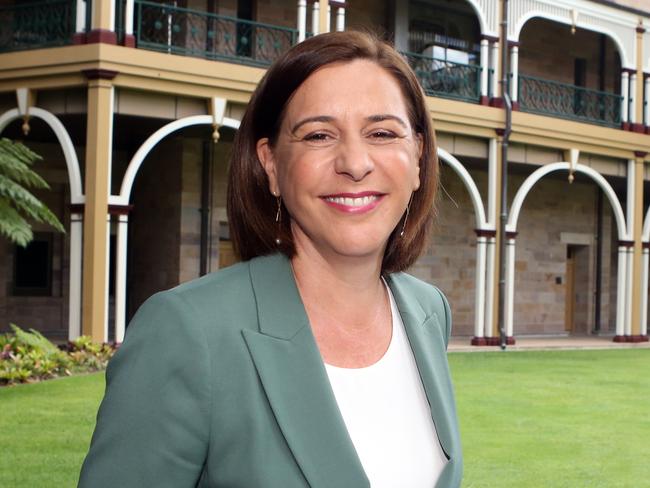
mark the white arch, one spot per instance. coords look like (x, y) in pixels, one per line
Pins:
(564, 20)
(138, 158)
(645, 236)
(71, 161)
(536, 175)
(475, 196)
(481, 16)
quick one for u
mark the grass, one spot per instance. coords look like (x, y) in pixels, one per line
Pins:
(528, 419)
(554, 418)
(46, 429)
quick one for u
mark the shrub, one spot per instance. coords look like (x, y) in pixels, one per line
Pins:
(27, 356)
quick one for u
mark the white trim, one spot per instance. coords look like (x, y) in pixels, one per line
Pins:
(120, 277)
(80, 21)
(536, 175)
(140, 155)
(69, 153)
(629, 290)
(129, 15)
(514, 72)
(644, 292)
(474, 194)
(485, 55)
(340, 19)
(489, 289)
(76, 260)
(510, 287)
(302, 20)
(621, 285)
(479, 300)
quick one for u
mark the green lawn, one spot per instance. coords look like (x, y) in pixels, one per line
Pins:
(528, 419)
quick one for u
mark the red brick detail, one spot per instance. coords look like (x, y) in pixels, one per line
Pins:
(496, 102)
(490, 38)
(496, 341)
(511, 235)
(635, 127)
(484, 100)
(640, 29)
(485, 233)
(625, 126)
(620, 338)
(119, 209)
(129, 40)
(515, 106)
(625, 243)
(479, 341)
(637, 338)
(79, 38)
(640, 154)
(645, 245)
(101, 36)
(99, 74)
(77, 208)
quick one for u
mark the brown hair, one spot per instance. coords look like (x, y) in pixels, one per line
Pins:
(251, 206)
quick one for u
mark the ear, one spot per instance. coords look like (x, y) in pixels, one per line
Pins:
(267, 160)
(419, 147)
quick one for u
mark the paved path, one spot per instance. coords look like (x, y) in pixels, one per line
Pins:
(537, 343)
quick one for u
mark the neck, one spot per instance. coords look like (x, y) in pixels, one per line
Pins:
(351, 286)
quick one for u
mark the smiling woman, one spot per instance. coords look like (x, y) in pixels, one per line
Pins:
(317, 361)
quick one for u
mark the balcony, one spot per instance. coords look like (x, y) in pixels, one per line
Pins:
(190, 32)
(36, 25)
(448, 79)
(556, 99)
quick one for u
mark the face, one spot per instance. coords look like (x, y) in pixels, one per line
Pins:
(346, 160)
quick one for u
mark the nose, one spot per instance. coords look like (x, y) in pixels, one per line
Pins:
(354, 159)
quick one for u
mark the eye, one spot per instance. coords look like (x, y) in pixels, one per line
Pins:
(317, 137)
(382, 134)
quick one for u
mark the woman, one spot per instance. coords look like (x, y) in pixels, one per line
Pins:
(314, 362)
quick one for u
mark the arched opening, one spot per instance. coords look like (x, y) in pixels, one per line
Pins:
(35, 281)
(568, 72)
(563, 279)
(178, 202)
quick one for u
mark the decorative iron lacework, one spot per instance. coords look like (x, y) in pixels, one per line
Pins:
(569, 101)
(447, 79)
(35, 25)
(194, 33)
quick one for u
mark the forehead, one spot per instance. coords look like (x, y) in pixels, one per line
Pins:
(360, 86)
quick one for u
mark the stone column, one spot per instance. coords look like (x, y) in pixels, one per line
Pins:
(97, 186)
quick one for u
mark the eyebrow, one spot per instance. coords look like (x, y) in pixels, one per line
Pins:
(329, 118)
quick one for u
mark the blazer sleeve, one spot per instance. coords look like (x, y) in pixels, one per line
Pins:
(153, 424)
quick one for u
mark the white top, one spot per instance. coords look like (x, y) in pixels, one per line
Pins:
(388, 417)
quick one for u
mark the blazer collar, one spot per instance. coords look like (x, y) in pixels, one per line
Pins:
(294, 378)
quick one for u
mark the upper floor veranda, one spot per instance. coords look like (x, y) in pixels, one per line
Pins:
(584, 61)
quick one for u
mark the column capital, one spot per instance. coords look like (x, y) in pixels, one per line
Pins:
(625, 243)
(99, 74)
(485, 232)
(640, 29)
(511, 235)
(119, 209)
(640, 154)
(77, 208)
(512, 44)
(489, 38)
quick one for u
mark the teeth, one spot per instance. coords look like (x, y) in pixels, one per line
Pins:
(353, 202)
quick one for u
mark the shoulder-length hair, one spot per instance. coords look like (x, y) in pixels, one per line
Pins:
(251, 206)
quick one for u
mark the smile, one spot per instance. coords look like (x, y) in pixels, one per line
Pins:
(354, 203)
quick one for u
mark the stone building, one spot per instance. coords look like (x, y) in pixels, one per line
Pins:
(122, 98)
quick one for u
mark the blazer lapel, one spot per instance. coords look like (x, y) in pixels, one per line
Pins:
(292, 373)
(427, 338)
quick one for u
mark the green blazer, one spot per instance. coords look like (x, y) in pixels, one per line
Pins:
(219, 383)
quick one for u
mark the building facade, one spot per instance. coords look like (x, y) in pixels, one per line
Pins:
(134, 104)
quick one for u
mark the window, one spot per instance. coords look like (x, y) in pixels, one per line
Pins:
(33, 267)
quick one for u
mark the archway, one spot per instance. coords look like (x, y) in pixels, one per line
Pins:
(624, 257)
(76, 198)
(123, 199)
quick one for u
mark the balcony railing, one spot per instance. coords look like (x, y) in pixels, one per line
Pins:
(194, 33)
(447, 79)
(569, 101)
(38, 24)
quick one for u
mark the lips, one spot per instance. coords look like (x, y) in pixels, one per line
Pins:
(354, 202)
